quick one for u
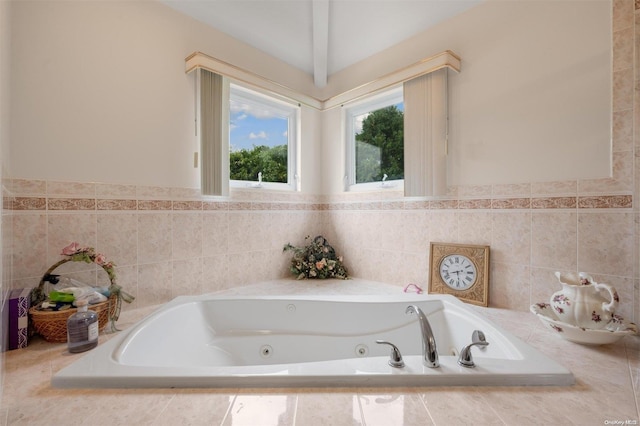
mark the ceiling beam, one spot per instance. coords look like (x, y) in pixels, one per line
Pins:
(320, 41)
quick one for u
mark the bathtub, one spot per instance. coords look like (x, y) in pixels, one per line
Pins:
(302, 341)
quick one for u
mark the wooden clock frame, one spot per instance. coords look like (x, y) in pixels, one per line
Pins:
(478, 293)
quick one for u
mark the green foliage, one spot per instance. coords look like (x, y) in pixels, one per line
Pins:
(272, 162)
(380, 146)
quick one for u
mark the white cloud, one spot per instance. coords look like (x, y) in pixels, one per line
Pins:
(358, 120)
(243, 110)
(260, 135)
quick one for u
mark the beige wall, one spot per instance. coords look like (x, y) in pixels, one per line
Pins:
(5, 87)
(532, 102)
(105, 83)
(100, 92)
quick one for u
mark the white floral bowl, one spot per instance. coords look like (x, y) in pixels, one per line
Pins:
(614, 331)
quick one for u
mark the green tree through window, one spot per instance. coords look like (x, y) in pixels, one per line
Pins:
(262, 139)
(380, 146)
(245, 164)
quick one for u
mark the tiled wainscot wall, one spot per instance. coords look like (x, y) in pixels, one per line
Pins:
(170, 241)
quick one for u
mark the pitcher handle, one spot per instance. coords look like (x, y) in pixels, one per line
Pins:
(613, 304)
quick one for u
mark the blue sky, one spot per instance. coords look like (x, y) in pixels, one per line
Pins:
(253, 127)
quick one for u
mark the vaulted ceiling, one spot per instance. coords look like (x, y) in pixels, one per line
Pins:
(321, 37)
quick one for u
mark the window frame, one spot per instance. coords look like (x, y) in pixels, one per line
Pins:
(383, 99)
(282, 106)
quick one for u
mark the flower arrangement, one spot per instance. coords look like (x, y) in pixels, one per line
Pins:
(318, 260)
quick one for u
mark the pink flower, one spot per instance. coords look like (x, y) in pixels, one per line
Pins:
(101, 259)
(321, 264)
(71, 249)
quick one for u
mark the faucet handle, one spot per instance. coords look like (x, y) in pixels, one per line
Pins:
(477, 339)
(396, 358)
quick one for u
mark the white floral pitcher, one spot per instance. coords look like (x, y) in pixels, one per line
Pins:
(581, 303)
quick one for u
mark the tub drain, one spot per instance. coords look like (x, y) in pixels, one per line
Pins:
(266, 351)
(362, 350)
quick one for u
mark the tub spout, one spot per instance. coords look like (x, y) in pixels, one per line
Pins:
(429, 351)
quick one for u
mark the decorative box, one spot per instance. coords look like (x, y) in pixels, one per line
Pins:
(18, 321)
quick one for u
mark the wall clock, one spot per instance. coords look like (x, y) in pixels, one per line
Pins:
(461, 270)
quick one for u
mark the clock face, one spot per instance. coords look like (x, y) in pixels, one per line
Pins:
(458, 271)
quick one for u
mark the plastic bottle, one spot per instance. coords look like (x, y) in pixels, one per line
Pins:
(82, 329)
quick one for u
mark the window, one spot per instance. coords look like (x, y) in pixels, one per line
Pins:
(262, 140)
(398, 138)
(375, 142)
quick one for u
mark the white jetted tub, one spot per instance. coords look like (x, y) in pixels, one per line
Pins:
(303, 341)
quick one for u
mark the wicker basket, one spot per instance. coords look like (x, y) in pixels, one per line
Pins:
(52, 325)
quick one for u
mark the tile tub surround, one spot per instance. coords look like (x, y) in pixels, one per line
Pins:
(607, 388)
(171, 241)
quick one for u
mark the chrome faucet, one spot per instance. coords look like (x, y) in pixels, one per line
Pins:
(395, 359)
(465, 358)
(429, 351)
